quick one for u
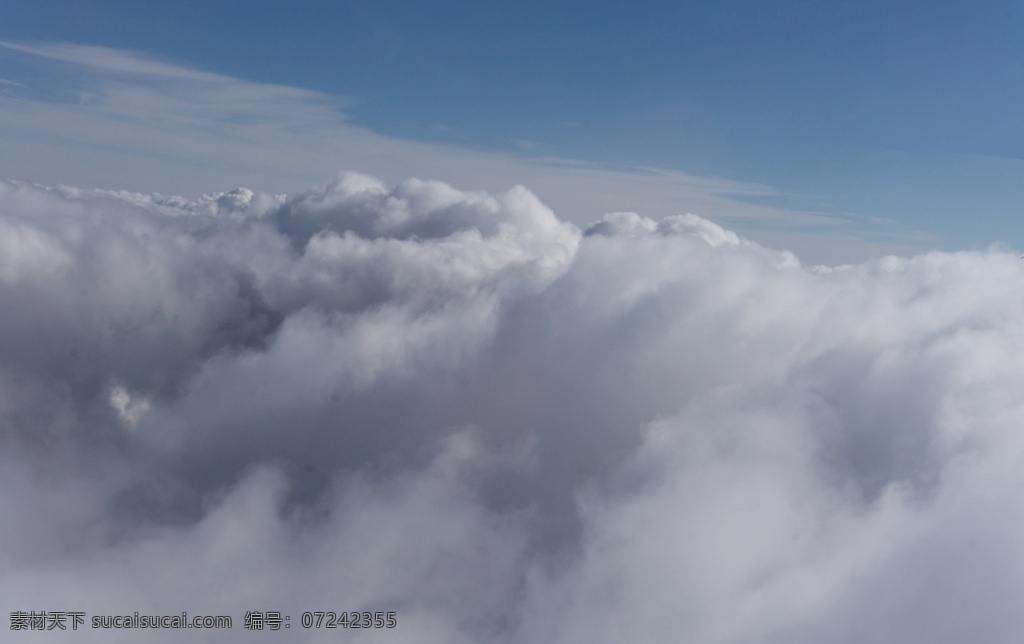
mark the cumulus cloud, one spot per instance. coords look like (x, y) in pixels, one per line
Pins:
(505, 428)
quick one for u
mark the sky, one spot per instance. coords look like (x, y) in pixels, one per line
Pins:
(894, 123)
(566, 323)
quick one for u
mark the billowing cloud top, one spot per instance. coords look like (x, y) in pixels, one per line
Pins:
(456, 406)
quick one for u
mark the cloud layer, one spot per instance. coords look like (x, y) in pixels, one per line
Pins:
(456, 406)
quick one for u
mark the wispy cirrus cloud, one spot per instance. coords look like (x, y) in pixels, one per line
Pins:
(103, 117)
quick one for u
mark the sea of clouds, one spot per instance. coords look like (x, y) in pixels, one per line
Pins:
(458, 407)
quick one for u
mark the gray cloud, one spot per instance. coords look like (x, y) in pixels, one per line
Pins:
(459, 407)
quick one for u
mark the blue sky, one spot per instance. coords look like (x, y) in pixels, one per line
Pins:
(862, 112)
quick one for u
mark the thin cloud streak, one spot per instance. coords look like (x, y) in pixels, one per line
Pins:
(155, 126)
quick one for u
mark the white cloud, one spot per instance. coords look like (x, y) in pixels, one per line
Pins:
(459, 407)
(125, 120)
